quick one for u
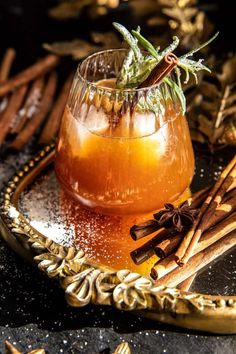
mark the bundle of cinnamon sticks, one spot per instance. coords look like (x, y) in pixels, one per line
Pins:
(213, 232)
(27, 101)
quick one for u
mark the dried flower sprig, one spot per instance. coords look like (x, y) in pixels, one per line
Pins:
(183, 18)
(212, 107)
(71, 9)
(137, 65)
(80, 48)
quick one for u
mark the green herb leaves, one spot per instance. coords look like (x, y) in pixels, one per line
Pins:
(138, 65)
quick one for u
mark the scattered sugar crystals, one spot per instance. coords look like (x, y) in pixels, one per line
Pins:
(52, 213)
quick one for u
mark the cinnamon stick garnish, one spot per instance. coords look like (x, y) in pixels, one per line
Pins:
(161, 70)
(38, 69)
(211, 236)
(199, 261)
(30, 107)
(34, 123)
(214, 198)
(7, 64)
(52, 125)
(8, 115)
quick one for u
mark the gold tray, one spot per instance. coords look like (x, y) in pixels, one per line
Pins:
(36, 235)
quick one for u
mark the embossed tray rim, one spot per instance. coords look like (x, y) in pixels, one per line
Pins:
(86, 281)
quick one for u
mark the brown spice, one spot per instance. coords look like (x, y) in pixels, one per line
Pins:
(178, 218)
(39, 68)
(227, 207)
(8, 115)
(214, 198)
(150, 226)
(186, 284)
(211, 236)
(30, 106)
(146, 251)
(144, 229)
(24, 136)
(199, 261)
(161, 70)
(7, 64)
(168, 246)
(52, 125)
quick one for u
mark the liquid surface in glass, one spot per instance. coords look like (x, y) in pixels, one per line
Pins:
(132, 169)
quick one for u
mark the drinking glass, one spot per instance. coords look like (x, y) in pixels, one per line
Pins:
(122, 151)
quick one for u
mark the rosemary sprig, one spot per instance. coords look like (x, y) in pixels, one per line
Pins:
(137, 66)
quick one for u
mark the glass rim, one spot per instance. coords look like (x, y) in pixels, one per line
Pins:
(109, 89)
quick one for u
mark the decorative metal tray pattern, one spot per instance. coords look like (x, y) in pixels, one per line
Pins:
(39, 222)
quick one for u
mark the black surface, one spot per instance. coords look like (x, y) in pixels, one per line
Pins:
(33, 312)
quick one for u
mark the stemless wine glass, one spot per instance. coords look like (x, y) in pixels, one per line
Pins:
(122, 151)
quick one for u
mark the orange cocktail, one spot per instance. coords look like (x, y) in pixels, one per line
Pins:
(122, 151)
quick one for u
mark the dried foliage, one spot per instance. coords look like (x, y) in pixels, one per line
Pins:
(184, 19)
(72, 9)
(212, 107)
(80, 48)
(144, 9)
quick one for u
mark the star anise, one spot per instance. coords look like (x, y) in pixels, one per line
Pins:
(178, 218)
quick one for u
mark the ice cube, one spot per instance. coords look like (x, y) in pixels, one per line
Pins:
(144, 124)
(97, 121)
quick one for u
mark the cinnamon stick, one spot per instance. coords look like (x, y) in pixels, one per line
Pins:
(9, 114)
(199, 197)
(146, 251)
(161, 70)
(192, 237)
(7, 64)
(228, 206)
(199, 261)
(30, 107)
(186, 284)
(148, 227)
(5, 68)
(168, 246)
(52, 125)
(38, 69)
(34, 123)
(144, 229)
(10, 349)
(211, 236)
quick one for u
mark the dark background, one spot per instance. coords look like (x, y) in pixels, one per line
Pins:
(33, 312)
(24, 25)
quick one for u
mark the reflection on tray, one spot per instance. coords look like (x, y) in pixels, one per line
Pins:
(105, 238)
